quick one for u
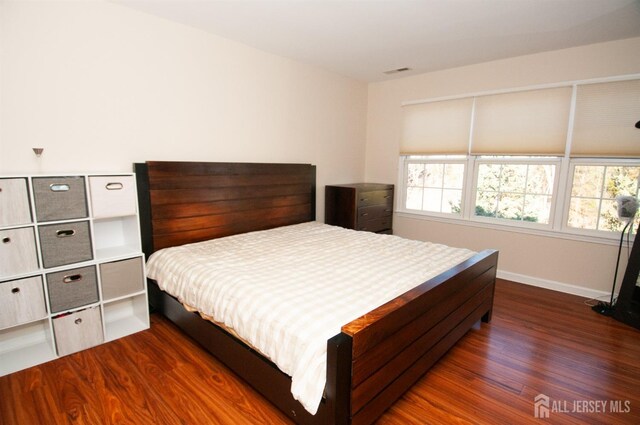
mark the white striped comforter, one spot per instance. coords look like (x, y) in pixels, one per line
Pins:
(288, 290)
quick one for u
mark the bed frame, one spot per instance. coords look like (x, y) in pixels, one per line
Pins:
(376, 357)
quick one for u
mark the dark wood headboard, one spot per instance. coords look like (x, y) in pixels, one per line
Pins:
(185, 202)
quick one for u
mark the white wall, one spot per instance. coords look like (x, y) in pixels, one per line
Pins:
(100, 86)
(573, 266)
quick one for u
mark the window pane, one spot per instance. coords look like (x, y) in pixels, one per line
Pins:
(434, 185)
(593, 194)
(486, 204)
(489, 177)
(415, 175)
(540, 179)
(516, 191)
(609, 217)
(414, 198)
(432, 200)
(621, 181)
(537, 208)
(587, 181)
(433, 175)
(513, 177)
(510, 206)
(583, 213)
(452, 201)
(453, 176)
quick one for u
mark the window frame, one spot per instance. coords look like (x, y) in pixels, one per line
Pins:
(405, 160)
(555, 161)
(560, 203)
(607, 162)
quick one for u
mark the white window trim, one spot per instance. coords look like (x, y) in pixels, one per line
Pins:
(514, 160)
(557, 228)
(567, 201)
(442, 159)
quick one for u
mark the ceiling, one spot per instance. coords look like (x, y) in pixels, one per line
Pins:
(364, 38)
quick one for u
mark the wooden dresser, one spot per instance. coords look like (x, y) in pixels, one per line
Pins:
(360, 206)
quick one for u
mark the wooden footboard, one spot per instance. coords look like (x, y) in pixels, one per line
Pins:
(395, 344)
(376, 358)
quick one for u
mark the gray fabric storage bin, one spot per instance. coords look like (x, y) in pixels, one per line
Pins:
(65, 243)
(60, 198)
(72, 288)
(120, 278)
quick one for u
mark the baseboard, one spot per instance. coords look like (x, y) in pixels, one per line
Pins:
(555, 286)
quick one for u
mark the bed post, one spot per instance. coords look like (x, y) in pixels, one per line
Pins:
(314, 214)
(144, 207)
(486, 318)
(338, 386)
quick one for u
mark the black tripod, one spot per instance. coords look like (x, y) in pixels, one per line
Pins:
(605, 308)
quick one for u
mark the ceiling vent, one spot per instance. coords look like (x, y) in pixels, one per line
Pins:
(395, 71)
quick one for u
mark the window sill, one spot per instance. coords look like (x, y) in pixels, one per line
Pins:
(602, 240)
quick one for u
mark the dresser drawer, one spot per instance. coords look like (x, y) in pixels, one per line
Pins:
(78, 331)
(59, 198)
(65, 243)
(112, 196)
(374, 211)
(14, 202)
(375, 197)
(22, 301)
(18, 251)
(375, 225)
(72, 288)
(120, 278)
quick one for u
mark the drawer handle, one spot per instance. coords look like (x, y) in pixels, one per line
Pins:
(59, 187)
(6, 240)
(65, 233)
(78, 321)
(365, 214)
(364, 199)
(114, 186)
(15, 290)
(387, 210)
(387, 196)
(72, 278)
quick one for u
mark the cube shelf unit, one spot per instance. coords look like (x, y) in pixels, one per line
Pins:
(71, 266)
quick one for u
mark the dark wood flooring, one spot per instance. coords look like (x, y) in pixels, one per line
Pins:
(539, 343)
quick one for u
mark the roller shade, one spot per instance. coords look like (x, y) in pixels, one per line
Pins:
(533, 122)
(605, 118)
(437, 127)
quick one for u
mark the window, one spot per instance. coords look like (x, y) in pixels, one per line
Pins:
(520, 191)
(553, 158)
(435, 185)
(594, 190)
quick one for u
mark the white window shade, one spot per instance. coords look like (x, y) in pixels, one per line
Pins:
(531, 122)
(437, 127)
(605, 119)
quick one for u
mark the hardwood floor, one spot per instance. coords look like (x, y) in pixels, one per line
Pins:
(539, 342)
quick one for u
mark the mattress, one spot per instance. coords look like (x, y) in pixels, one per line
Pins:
(286, 291)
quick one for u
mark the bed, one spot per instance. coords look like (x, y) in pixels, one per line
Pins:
(374, 358)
